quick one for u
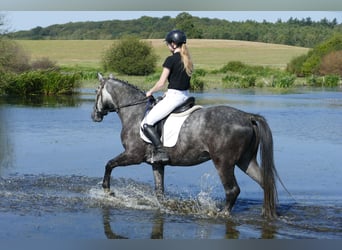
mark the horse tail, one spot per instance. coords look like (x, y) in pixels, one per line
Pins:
(267, 167)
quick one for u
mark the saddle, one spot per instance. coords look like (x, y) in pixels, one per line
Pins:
(169, 127)
(186, 105)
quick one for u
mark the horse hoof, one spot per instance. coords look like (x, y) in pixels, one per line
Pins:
(110, 193)
(225, 213)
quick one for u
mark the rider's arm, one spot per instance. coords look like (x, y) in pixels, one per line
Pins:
(160, 84)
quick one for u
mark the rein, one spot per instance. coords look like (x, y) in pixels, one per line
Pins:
(117, 109)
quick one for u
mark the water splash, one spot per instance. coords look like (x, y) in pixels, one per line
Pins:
(45, 195)
(128, 193)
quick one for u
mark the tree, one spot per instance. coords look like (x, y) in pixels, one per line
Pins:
(2, 24)
(130, 56)
(12, 57)
(311, 63)
(185, 22)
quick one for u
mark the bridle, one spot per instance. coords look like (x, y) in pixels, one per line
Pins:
(115, 109)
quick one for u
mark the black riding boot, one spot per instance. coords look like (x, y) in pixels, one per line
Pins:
(161, 154)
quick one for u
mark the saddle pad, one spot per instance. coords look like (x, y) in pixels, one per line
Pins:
(172, 127)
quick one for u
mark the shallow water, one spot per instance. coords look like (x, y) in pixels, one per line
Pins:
(53, 156)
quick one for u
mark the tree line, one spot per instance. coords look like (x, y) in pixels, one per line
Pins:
(295, 32)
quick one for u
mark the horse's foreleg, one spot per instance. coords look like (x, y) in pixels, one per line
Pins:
(123, 159)
(106, 178)
(158, 173)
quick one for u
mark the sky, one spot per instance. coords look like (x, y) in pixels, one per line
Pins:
(26, 20)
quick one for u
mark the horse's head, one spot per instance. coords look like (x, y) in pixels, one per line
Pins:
(103, 100)
(116, 95)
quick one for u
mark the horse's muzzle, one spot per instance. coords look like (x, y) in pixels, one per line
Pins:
(96, 116)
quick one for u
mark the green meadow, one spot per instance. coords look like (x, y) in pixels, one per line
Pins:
(208, 55)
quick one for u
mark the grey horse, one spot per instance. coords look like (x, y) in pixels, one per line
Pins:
(227, 136)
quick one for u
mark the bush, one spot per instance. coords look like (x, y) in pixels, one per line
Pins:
(250, 80)
(12, 57)
(295, 65)
(197, 84)
(311, 63)
(284, 81)
(43, 63)
(239, 81)
(332, 64)
(331, 81)
(245, 69)
(130, 56)
(314, 81)
(240, 75)
(233, 66)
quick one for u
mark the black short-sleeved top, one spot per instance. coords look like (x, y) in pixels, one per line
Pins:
(178, 78)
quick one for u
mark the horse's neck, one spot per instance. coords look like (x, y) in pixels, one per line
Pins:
(131, 115)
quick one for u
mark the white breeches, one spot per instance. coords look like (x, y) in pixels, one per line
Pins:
(173, 98)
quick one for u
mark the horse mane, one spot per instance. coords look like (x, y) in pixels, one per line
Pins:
(126, 83)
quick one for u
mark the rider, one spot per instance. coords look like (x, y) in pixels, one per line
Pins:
(177, 69)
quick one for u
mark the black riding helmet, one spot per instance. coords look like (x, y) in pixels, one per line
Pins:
(176, 36)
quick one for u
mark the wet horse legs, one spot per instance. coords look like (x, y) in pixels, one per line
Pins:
(158, 173)
(232, 190)
(124, 159)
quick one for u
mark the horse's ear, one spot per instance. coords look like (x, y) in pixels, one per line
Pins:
(100, 77)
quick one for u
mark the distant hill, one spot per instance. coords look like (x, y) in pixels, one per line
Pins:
(304, 33)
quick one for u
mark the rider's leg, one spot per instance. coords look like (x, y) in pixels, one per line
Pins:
(172, 100)
(151, 133)
(164, 107)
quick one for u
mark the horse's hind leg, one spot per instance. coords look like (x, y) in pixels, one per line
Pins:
(252, 169)
(232, 190)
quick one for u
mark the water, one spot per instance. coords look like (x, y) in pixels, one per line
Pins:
(53, 156)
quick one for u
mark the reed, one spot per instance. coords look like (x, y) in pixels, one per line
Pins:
(39, 82)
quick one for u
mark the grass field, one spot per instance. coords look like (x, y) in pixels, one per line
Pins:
(207, 54)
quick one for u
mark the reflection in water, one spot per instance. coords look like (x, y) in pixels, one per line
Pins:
(158, 227)
(266, 229)
(5, 144)
(107, 226)
(231, 231)
(157, 230)
(44, 101)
